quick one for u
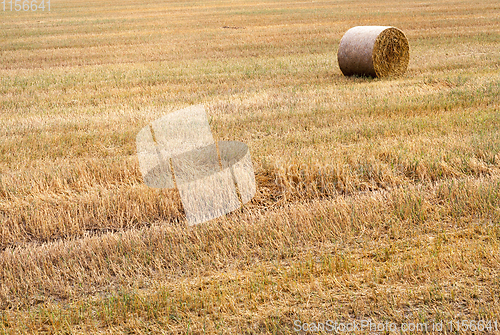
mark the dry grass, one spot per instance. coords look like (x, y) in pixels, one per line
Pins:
(377, 198)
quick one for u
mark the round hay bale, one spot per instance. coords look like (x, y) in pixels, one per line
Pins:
(374, 51)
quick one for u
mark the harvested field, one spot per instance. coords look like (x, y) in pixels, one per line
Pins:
(377, 199)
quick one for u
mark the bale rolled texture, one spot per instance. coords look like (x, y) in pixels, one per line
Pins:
(374, 51)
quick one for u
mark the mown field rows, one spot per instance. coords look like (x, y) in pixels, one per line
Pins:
(377, 198)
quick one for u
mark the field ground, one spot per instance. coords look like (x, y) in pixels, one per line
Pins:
(378, 199)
